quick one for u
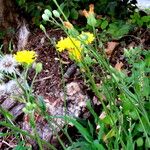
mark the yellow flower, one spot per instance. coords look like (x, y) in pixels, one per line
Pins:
(73, 43)
(75, 54)
(61, 45)
(87, 37)
(25, 57)
(67, 43)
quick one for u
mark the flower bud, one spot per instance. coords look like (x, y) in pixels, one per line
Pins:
(91, 20)
(48, 13)
(42, 28)
(45, 17)
(38, 67)
(68, 25)
(56, 13)
(91, 9)
(90, 15)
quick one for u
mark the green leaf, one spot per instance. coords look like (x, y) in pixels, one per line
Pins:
(20, 147)
(133, 115)
(98, 145)
(91, 128)
(139, 127)
(104, 24)
(62, 5)
(66, 12)
(145, 19)
(41, 103)
(6, 113)
(147, 143)
(85, 133)
(74, 14)
(118, 29)
(110, 134)
(146, 125)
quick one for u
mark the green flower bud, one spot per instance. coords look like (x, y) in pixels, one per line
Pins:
(38, 67)
(48, 13)
(91, 20)
(56, 13)
(42, 28)
(45, 17)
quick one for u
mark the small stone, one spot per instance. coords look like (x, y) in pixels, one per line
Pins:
(72, 88)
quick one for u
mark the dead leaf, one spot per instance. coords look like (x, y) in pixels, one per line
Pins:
(118, 66)
(110, 47)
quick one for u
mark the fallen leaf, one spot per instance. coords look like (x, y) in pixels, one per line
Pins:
(110, 47)
(118, 66)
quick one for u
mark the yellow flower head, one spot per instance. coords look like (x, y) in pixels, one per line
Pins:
(67, 43)
(74, 46)
(25, 57)
(73, 43)
(61, 45)
(75, 54)
(87, 37)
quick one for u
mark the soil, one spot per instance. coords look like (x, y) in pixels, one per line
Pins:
(49, 80)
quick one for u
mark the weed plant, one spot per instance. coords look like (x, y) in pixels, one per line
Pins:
(124, 122)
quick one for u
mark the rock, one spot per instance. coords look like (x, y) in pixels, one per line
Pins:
(75, 102)
(17, 110)
(70, 71)
(8, 103)
(72, 88)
